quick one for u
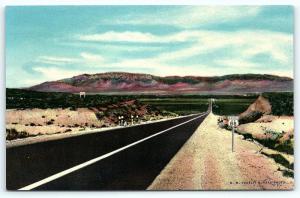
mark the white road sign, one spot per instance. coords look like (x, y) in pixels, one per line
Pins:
(233, 121)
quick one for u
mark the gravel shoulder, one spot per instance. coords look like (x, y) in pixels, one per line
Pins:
(206, 162)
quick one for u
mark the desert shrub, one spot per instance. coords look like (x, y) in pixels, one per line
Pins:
(12, 134)
(282, 103)
(273, 135)
(250, 117)
(278, 158)
(73, 108)
(288, 173)
(286, 146)
(221, 125)
(32, 124)
(270, 143)
(247, 136)
(168, 113)
(99, 115)
(49, 122)
(23, 134)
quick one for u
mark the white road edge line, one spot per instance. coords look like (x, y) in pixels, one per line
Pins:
(92, 161)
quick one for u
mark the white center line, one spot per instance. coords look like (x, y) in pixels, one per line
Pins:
(92, 161)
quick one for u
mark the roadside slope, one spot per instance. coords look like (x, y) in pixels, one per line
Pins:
(206, 162)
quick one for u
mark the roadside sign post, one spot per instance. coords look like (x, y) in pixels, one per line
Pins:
(233, 122)
(232, 137)
(119, 118)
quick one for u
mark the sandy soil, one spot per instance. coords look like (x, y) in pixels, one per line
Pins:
(40, 122)
(206, 162)
(260, 128)
(59, 117)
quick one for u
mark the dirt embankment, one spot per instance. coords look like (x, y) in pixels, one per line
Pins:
(275, 133)
(260, 107)
(34, 122)
(257, 123)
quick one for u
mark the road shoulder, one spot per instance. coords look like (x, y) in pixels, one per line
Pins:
(206, 162)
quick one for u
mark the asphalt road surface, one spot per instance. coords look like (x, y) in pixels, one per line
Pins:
(145, 151)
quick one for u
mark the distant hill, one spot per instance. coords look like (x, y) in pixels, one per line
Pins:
(121, 82)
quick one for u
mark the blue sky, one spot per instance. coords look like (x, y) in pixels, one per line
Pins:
(55, 42)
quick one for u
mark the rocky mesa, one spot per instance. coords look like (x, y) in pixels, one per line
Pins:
(122, 82)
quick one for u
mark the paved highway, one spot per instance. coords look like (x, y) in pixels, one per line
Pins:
(121, 159)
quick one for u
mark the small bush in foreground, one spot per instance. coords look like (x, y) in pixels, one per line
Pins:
(12, 134)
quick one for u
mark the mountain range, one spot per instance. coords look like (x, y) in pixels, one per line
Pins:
(124, 83)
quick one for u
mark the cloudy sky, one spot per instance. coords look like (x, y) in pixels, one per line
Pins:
(50, 43)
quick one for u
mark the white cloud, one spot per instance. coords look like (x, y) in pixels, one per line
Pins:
(126, 36)
(195, 16)
(139, 37)
(56, 60)
(55, 73)
(238, 49)
(189, 16)
(237, 63)
(286, 73)
(271, 48)
(248, 43)
(90, 58)
(84, 58)
(244, 44)
(110, 47)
